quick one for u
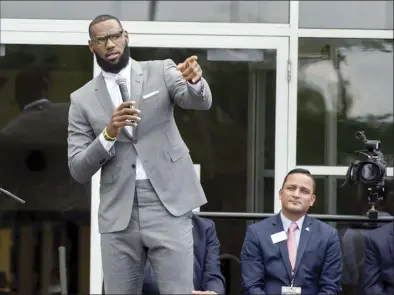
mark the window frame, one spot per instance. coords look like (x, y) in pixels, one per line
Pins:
(74, 32)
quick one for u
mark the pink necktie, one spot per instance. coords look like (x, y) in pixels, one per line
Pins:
(292, 244)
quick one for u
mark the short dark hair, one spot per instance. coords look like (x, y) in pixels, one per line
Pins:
(300, 171)
(101, 18)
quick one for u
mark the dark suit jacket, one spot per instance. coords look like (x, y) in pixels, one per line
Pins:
(378, 274)
(207, 273)
(353, 251)
(265, 266)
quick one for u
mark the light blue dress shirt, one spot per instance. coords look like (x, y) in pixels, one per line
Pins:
(286, 224)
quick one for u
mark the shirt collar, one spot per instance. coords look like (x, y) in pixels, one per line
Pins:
(286, 222)
(124, 73)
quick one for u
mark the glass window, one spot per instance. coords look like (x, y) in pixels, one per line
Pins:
(35, 87)
(224, 11)
(231, 235)
(335, 197)
(202, 11)
(344, 86)
(234, 141)
(372, 15)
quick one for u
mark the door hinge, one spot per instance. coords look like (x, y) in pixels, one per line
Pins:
(288, 70)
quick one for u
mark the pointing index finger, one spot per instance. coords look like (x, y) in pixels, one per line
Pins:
(180, 66)
(191, 59)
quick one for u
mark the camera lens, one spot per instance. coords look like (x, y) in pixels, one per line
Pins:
(370, 172)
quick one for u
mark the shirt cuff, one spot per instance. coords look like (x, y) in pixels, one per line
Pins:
(197, 86)
(107, 145)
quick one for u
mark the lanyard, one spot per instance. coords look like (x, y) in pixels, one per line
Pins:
(292, 279)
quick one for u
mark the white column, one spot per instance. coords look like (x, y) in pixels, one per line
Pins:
(96, 271)
(198, 171)
(281, 119)
(331, 132)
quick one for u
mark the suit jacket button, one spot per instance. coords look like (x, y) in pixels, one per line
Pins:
(102, 161)
(133, 166)
(134, 141)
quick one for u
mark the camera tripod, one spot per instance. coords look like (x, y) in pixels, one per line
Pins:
(375, 195)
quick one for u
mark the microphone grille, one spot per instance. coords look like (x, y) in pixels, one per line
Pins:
(121, 81)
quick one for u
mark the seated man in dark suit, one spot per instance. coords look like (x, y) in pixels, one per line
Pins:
(208, 278)
(353, 249)
(292, 253)
(378, 274)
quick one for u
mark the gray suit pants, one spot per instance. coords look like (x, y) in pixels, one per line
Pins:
(153, 233)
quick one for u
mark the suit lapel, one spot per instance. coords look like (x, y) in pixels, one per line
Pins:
(278, 227)
(103, 95)
(306, 233)
(136, 81)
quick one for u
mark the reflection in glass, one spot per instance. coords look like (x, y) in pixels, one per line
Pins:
(230, 247)
(153, 10)
(370, 15)
(344, 85)
(223, 11)
(333, 197)
(37, 83)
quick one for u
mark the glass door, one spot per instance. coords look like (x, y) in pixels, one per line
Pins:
(240, 144)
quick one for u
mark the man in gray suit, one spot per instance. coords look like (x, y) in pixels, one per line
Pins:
(148, 183)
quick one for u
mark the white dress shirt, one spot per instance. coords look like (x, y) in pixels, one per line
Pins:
(116, 97)
(286, 224)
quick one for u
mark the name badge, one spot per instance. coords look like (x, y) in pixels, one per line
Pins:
(279, 237)
(291, 290)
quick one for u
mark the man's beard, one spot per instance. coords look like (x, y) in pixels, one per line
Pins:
(115, 68)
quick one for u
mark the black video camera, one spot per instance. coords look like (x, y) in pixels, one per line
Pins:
(371, 172)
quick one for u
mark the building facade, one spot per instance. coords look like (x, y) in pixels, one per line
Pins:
(292, 82)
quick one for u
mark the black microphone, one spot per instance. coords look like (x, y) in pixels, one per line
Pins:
(122, 83)
(124, 92)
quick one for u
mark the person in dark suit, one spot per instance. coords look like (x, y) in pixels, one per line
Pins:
(353, 237)
(291, 252)
(378, 273)
(207, 278)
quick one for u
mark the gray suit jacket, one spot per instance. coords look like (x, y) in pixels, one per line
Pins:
(158, 143)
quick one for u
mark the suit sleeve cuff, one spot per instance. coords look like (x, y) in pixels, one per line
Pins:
(215, 286)
(198, 87)
(107, 145)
